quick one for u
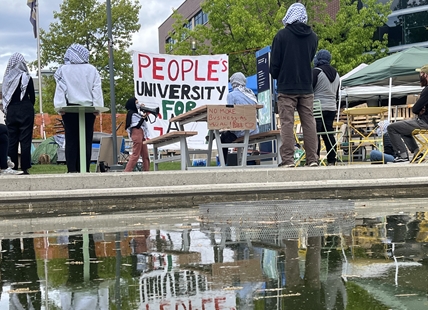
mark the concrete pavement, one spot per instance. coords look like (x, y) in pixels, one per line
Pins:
(67, 194)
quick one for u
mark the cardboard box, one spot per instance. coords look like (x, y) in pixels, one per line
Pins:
(411, 99)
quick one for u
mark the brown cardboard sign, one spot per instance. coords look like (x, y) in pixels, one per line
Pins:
(238, 117)
(411, 99)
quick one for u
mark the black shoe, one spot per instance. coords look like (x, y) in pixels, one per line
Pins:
(25, 172)
(400, 159)
(417, 158)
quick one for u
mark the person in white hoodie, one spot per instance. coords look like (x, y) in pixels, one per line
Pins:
(77, 83)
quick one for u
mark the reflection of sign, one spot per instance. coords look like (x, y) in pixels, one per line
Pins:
(219, 300)
(238, 117)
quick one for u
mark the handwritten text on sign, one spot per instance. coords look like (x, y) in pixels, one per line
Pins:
(238, 117)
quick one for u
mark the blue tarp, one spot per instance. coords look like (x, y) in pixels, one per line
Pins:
(251, 83)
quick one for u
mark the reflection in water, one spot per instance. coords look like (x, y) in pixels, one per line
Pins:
(300, 255)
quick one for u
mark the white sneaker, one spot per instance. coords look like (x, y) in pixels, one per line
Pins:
(10, 163)
(10, 171)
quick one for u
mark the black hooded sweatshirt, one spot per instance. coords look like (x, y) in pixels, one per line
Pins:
(293, 49)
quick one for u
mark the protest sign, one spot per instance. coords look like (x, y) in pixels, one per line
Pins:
(178, 84)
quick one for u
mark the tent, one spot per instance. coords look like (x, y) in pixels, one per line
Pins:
(48, 146)
(394, 70)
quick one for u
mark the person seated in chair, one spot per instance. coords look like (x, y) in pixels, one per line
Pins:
(388, 155)
(240, 95)
(402, 130)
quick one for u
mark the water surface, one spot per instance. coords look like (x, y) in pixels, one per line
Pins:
(278, 255)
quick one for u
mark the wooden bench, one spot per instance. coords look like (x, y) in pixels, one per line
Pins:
(272, 135)
(170, 138)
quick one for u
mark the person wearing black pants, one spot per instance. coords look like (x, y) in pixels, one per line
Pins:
(18, 105)
(72, 149)
(77, 83)
(4, 146)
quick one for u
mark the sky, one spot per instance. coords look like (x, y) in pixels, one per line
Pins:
(16, 31)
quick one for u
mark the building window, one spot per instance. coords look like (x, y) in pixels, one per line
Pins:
(405, 29)
(189, 25)
(201, 18)
(169, 42)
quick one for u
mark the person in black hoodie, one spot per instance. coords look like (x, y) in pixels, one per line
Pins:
(325, 81)
(137, 129)
(292, 52)
(402, 130)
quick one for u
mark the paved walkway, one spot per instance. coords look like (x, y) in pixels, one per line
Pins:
(101, 192)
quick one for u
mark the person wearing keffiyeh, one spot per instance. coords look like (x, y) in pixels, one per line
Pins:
(238, 96)
(77, 83)
(293, 49)
(18, 105)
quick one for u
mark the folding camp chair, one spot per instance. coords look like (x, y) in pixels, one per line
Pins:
(317, 112)
(421, 136)
(336, 133)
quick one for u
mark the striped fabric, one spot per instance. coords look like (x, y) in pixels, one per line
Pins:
(296, 12)
(75, 54)
(16, 71)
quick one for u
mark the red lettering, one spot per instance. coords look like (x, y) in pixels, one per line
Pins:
(206, 301)
(180, 303)
(157, 67)
(224, 63)
(211, 70)
(160, 129)
(196, 72)
(184, 68)
(142, 64)
(177, 70)
(218, 303)
(164, 304)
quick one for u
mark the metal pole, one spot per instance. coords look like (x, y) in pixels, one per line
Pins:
(111, 71)
(42, 126)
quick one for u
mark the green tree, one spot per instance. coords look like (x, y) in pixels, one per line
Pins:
(85, 22)
(350, 36)
(238, 28)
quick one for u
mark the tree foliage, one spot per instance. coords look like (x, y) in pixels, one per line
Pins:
(85, 22)
(241, 27)
(349, 37)
(238, 28)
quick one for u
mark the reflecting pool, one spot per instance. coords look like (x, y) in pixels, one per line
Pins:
(326, 254)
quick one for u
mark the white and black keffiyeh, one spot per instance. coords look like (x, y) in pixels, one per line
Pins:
(75, 54)
(16, 71)
(239, 81)
(296, 12)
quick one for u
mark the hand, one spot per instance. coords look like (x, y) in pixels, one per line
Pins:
(422, 112)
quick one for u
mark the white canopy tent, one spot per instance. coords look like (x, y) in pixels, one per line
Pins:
(396, 70)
